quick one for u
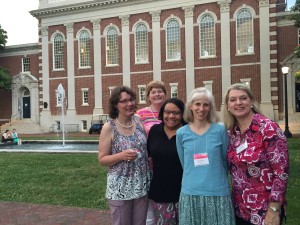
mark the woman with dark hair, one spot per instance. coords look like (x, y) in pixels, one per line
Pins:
(167, 171)
(123, 149)
(258, 160)
(202, 145)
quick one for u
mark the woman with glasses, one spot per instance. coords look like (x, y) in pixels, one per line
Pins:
(156, 95)
(202, 145)
(167, 171)
(123, 149)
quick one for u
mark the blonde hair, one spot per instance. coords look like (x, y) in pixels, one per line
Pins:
(229, 120)
(155, 84)
(195, 95)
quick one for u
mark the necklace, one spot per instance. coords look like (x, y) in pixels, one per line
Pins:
(124, 126)
(153, 113)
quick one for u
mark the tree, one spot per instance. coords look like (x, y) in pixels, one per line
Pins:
(5, 79)
(3, 38)
(296, 16)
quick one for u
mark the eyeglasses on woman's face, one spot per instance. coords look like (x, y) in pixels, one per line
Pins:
(126, 101)
(175, 113)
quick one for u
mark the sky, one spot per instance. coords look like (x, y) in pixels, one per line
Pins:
(21, 27)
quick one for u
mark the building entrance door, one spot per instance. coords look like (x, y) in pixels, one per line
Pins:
(26, 107)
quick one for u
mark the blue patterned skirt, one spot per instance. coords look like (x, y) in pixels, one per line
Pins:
(205, 210)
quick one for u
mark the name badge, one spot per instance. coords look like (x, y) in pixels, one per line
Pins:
(201, 159)
(242, 147)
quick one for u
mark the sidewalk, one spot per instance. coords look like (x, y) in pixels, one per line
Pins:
(12, 213)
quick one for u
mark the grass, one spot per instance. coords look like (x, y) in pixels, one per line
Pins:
(56, 179)
(78, 180)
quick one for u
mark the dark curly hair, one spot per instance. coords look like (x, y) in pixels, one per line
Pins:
(115, 98)
(174, 101)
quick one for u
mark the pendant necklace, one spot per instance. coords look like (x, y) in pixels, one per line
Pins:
(153, 113)
(124, 126)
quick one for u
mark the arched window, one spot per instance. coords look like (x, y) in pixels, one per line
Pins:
(58, 52)
(84, 49)
(173, 40)
(112, 51)
(141, 43)
(207, 36)
(244, 32)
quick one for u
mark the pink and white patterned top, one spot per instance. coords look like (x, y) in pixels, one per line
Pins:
(148, 117)
(260, 172)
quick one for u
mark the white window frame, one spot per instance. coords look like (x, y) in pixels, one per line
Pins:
(141, 43)
(84, 49)
(112, 50)
(208, 85)
(244, 38)
(85, 96)
(246, 81)
(174, 90)
(110, 89)
(173, 40)
(58, 52)
(142, 94)
(26, 65)
(207, 36)
(84, 125)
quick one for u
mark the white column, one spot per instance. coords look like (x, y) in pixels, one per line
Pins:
(125, 50)
(45, 65)
(97, 67)
(45, 122)
(189, 49)
(70, 62)
(225, 45)
(265, 61)
(156, 43)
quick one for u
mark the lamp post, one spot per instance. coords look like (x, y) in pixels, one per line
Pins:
(287, 133)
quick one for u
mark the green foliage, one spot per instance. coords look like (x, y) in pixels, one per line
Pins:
(3, 38)
(296, 16)
(5, 79)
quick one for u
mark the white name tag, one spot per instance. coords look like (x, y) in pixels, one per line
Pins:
(242, 147)
(201, 159)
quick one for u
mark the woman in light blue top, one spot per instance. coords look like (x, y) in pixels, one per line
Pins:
(201, 145)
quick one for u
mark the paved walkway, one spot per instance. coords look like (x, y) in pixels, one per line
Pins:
(12, 213)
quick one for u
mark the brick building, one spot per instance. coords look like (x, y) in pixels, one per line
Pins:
(92, 46)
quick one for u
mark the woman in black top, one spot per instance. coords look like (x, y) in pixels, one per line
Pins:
(167, 171)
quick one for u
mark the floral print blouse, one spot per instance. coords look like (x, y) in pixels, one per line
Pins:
(259, 170)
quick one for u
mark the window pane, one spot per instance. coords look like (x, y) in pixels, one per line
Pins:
(141, 43)
(26, 65)
(112, 52)
(207, 36)
(58, 49)
(84, 49)
(173, 40)
(142, 94)
(244, 32)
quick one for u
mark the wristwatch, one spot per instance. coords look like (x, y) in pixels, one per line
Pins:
(274, 209)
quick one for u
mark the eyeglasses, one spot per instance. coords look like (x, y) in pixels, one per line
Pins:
(126, 101)
(175, 113)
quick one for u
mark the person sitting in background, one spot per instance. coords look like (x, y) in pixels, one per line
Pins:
(15, 137)
(6, 137)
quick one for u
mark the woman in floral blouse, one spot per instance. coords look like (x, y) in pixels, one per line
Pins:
(258, 160)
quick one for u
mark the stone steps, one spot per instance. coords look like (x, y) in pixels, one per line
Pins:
(23, 126)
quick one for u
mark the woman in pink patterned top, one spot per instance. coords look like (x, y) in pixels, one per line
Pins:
(258, 160)
(156, 94)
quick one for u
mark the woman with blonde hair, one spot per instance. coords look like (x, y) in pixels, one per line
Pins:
(202, 145)
(258, 160)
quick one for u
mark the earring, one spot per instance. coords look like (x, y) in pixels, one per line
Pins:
(228, 109)
(251, 106)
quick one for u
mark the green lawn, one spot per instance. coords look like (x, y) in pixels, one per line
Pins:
(78, 180)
